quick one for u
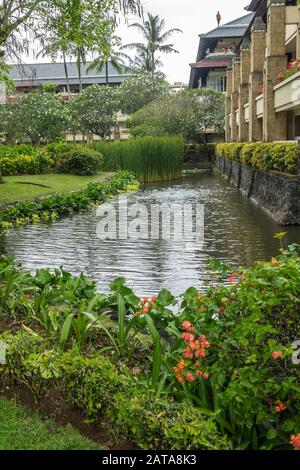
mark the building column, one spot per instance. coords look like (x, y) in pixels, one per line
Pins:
(243, 131)
(274, 124)
(235, 97)
(257, 57)
(228, 105)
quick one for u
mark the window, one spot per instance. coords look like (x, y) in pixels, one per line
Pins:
(217, 84)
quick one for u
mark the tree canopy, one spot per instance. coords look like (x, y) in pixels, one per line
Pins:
(139, 90)
(190, 113)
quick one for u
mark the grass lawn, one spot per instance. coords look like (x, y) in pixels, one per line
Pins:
(13, 191)
(21, 429)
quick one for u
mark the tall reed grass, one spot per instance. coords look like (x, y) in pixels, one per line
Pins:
(150, 158)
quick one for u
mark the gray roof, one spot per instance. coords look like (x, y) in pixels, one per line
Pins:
(233, 29)
(37, 74)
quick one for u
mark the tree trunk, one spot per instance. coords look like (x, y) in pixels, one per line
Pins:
(106, 72)
(79, 68)
(66, 74)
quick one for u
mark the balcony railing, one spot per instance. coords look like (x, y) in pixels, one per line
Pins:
(259, 106)
(287, 94)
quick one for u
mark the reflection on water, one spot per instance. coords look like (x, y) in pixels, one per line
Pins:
(235, 231)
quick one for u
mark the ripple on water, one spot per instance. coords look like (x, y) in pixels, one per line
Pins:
(236, 231)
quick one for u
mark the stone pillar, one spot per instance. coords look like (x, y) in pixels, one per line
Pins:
(235, 97)
(243, 131)
(298, 36)
(228, 105)
(274, 124)
(257, 57)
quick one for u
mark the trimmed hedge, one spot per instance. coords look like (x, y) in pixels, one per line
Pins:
(282, 157)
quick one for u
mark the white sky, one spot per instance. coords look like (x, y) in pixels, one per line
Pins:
(193, 17)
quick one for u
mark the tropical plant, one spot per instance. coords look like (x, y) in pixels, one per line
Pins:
(111, 56)
(153, 31)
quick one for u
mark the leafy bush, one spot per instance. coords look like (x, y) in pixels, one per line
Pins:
(25, 164)
(163, 423)
(79, 160)
(247, 372)
(282, 157)
(93, 110)
(190, 113)
(151, 159)
(34, 117)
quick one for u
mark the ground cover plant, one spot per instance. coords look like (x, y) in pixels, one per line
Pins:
(219, 373)
(62, 204)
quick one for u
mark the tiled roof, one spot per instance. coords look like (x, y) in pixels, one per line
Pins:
(214, 60)
(28, 74)
(236, 28)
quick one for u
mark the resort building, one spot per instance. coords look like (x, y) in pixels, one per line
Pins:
(215, 53)
(263, 82)
(28, 77)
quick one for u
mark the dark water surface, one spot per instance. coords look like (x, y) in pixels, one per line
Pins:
(236, 231)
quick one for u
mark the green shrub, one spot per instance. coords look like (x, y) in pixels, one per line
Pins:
(59, 149)
(24, 159)
(162, 423)
(150, 158)
(282, 157)
(18, 348)
(79, 160)
(251, 326)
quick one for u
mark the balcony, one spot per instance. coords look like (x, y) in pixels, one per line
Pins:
(292, 14)
(287, 94)
(259, 106)
(246, 112)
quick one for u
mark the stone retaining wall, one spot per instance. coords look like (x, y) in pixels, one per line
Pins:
(276, 193)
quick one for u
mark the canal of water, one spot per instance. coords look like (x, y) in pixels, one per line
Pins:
(235, 231)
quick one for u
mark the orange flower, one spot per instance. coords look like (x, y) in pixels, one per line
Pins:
(276, 354)
(137, 313)
(186, 324)
(190, 377)
(153, 299)
(145, 310)
(205, 375)
(280, 407)
(295, 441)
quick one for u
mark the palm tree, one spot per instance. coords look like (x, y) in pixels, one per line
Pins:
(116, 58)
(153, 31)
(142, 61)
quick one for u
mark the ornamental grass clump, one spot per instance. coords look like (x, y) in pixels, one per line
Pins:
(150, 158)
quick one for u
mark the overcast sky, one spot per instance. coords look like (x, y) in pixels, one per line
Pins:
(193, 17)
